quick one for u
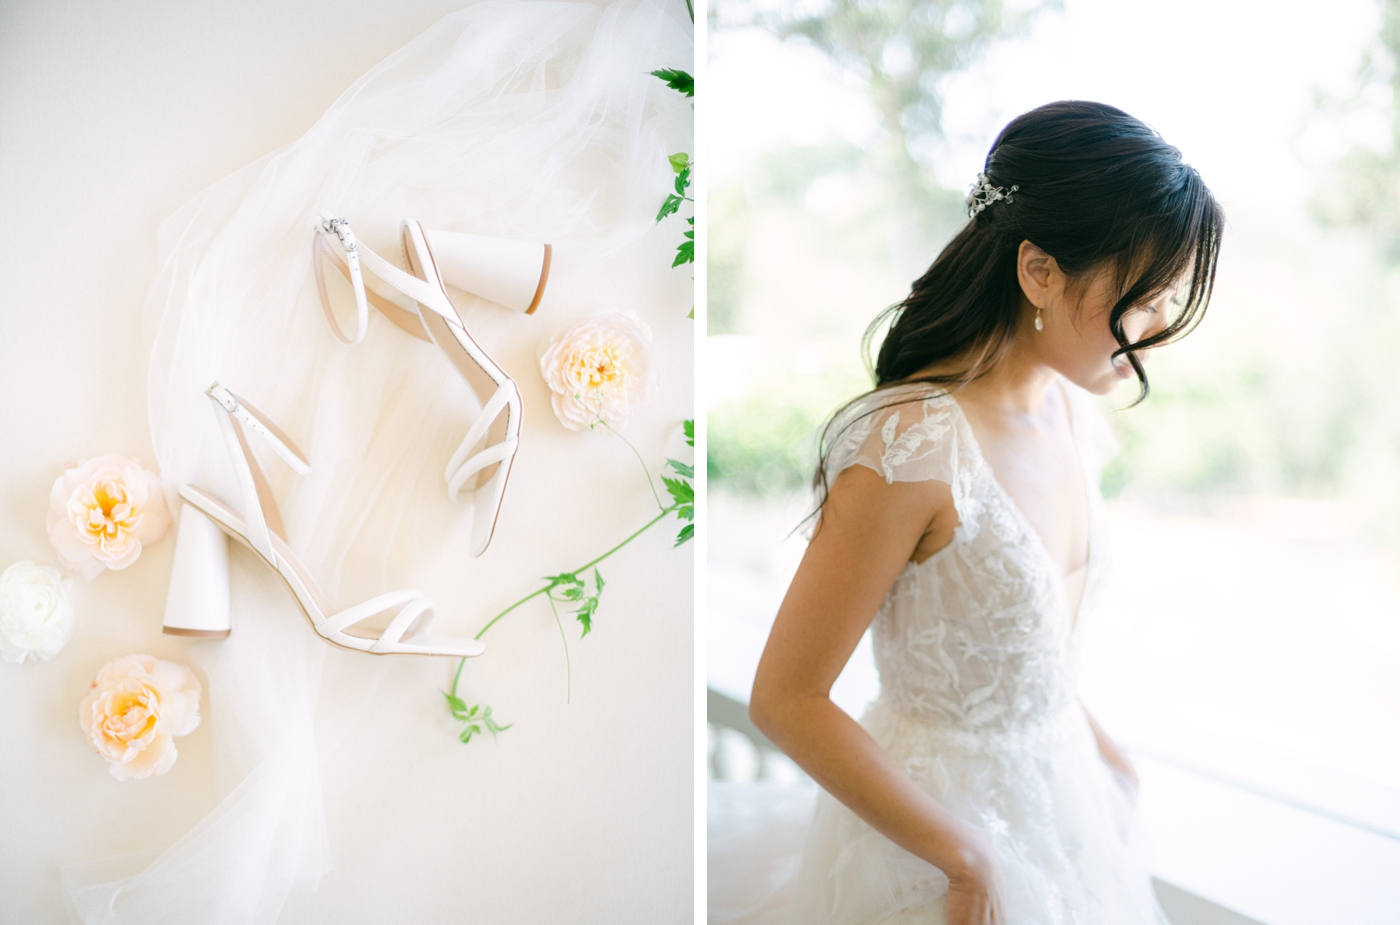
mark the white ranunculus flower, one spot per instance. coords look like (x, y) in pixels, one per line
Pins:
(134, 710)
(36, 617)
(600, 368)
(103, 512)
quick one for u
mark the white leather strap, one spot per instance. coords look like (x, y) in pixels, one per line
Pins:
(254, 420)
(492, 454)
(255, 524)
(462, 466)
(341, 229)
(357, 255)
(239, 415)
(412, 605)
(404, 620)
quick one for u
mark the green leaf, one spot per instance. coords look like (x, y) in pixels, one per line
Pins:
(491, 725)
(680, 490)
(474, 719)
(566, 586)
(686, 512)
(679, 161)
(597, 582)
(671, 206)
(689, 428)
(585, 615)
(459, 708)
(685, 253)
(679, 81)
(682, 181)
(682, 468)
(687, 532)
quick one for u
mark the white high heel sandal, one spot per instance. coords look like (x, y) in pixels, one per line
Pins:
(194, 608)
(510, 273)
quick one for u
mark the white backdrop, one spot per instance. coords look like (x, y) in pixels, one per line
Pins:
(112, 116)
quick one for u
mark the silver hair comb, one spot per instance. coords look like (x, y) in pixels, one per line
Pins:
(983, 194)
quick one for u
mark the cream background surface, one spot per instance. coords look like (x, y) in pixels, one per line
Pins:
(112, 116)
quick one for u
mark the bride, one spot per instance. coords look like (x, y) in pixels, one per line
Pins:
(959, 515)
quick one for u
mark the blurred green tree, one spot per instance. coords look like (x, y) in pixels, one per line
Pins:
(904, 49)
(1366, 189)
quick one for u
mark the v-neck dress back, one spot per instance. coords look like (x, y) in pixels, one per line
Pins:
(977, 654)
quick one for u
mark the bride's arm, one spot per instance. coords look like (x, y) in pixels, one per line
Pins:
(868, 531)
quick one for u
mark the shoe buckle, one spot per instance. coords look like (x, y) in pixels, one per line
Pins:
(223, 396)
(341, 229)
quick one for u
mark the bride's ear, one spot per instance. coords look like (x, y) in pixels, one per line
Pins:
(1040, 276)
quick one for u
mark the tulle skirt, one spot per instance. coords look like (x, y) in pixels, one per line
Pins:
(1065, 835)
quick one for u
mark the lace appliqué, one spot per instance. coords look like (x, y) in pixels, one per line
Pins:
(899, 448)
(974, 638)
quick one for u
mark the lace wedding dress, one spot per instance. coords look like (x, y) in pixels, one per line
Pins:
(977, 652)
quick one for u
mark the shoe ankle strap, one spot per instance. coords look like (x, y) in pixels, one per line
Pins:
(407, 320)
(358, 255)
(261, 516)
(257, 422)
(341, 229)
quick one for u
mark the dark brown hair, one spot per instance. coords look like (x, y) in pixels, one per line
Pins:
(1095, 187)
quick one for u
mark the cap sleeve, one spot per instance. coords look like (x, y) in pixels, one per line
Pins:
(904, 436)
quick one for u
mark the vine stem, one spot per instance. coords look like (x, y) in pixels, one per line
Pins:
(650, 482)
(549, 587)
(568, 667)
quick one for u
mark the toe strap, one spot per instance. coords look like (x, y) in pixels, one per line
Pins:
(492, 454)
(464, 464)
(413, 607)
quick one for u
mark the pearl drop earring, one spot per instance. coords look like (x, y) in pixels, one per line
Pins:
(1039, 324)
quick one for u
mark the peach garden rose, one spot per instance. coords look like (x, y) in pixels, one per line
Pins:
(103, 512)
(136, 707)
(599, 369)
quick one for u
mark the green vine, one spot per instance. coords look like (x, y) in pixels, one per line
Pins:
(571, 587)
(681, 165)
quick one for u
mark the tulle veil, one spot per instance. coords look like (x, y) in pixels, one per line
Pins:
(530, 119)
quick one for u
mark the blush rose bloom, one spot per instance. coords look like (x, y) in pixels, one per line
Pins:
(103, 512)
(136, 707)
(599, 369)
(36, 617)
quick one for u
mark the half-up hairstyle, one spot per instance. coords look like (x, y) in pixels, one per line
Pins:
(1095, 188)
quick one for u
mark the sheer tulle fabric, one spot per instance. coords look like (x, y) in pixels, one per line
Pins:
(977, 655)
(531, 120)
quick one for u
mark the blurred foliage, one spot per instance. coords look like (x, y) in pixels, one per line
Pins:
(765, 442)
(1365, 190)
(1246, 429)
(782, 180)
(762, 446)
(727, 238)
(903, 49)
